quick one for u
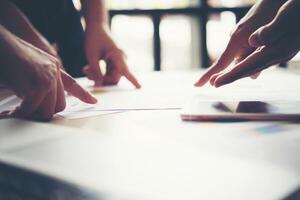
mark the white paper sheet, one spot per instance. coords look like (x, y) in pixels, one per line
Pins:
(9, 103)
(75, 109)
(113, 99)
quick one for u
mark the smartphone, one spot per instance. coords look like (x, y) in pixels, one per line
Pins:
(197, 110)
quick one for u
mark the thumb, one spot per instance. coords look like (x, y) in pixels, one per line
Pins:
(94, 70)
(262, 36)
(96, 74)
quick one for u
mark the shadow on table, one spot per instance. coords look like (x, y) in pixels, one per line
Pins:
(17, 183)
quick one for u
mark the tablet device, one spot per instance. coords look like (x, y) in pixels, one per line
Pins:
(197, 110)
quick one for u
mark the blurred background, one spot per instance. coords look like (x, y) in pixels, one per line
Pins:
(173, 34)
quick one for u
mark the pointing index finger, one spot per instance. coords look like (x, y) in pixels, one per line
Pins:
(76, 90)
(118, 58)
(225, 59)
(256, 62)
(131, 78)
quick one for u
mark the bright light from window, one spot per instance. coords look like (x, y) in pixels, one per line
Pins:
(150, 4)
(231, 3)
(176, 38)
(135, 36)
(219, 28)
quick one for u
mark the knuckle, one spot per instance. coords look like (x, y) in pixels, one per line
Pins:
(239, 30)
(240, 27)
(57, 63)
(44, 85)
(239, 39)
(46, 79)
(241, 35)
(235, 35)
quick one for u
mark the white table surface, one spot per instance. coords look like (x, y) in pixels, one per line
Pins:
(155, 155)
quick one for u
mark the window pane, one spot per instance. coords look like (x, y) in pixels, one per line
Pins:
(135, 36)
(179, 37)
(219, 28)
(150, 4)
(230, 3)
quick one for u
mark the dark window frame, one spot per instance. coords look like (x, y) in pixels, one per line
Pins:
(201, 12)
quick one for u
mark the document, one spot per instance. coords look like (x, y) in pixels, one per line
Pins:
(75, 109)
(109, 104)
(113, 99)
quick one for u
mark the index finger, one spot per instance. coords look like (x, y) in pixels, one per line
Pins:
(71, 86)
(94, 71)
(121, 64)
(131, 78)
(256, 62)
(225, 59)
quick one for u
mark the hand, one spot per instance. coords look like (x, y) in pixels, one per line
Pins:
(99, 45)
(240, 48)
(36, 77)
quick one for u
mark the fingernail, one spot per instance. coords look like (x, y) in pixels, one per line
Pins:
(198, 84)
(93, 99)
(88, 98)
(138, 86)
(217, 84)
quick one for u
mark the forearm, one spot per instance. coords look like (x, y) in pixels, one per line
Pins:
(16, 22)
(95, 13)
(8, 47)
(97, 34)
(12, 50)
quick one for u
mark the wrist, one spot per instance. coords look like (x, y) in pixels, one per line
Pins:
(96, 25)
